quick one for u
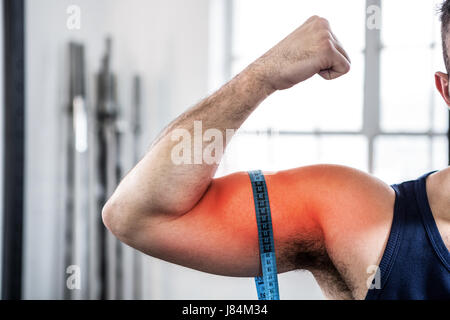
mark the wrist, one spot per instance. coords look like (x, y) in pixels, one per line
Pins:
(258, 71)
(255, 82)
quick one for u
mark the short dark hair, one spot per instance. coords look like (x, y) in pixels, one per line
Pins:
(445, 20)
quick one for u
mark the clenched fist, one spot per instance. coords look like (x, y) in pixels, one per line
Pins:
(311, 49)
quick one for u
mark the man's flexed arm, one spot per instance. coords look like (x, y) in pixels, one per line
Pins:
(157, 189)
(158, 186)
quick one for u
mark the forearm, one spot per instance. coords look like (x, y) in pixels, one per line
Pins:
(158, 185)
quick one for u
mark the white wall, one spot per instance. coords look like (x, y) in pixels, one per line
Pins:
(166, 41)
(46, 100)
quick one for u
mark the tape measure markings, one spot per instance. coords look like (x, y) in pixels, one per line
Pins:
(267, 284)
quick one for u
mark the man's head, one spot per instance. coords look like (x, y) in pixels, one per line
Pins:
(442, 81)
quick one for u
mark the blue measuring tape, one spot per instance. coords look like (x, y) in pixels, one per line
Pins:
(267, 284)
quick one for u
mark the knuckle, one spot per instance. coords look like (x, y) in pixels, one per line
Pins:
(327, 46)
(322, 22)
(347, 67)
(344, 67)
(324, 35)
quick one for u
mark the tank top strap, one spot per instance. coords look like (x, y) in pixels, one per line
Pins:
(429, 221)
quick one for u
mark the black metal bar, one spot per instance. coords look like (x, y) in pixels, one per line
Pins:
(137, 100)
(106, 121)
(14, 148)
(101, 228)
(76, 91)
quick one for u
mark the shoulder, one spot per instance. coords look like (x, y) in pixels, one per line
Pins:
(335, 195)
(335, 186)
(350, 206)
(354, 211)
(356, 222)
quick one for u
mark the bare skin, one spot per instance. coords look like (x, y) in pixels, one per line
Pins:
(331, 220)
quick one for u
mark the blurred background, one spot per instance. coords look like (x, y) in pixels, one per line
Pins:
(88, 85)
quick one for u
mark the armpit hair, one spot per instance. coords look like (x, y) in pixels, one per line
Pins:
(311, 255)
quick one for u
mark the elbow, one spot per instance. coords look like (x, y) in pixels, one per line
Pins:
(123, 219)
(108, 213)
(114, 218)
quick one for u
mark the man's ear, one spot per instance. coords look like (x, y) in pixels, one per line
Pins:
(442, 84)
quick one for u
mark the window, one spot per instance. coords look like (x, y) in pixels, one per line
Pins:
(332, 121)
(413, 117)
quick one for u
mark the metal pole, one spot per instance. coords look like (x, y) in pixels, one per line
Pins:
(115, 161)
(69, 220)
(228, 36)
(14, 152)
(108, 134)
(76, 210)
(137, 258)
(371, 120)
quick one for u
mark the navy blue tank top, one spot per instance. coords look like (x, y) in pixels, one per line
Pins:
(416, 263)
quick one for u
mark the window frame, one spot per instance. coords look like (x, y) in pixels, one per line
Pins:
(371, 125)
